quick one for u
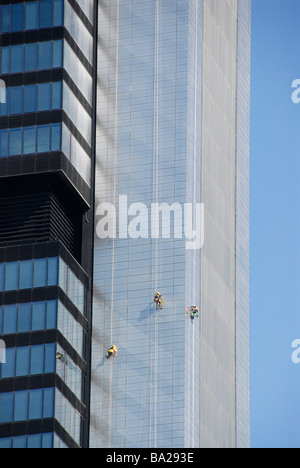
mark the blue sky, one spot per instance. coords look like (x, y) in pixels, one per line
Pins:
(274, 224)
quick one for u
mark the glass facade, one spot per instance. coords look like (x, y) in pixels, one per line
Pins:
(46, 140)
(166, 133)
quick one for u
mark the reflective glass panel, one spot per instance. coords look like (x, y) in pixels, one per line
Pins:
(29, 146)
(17, 17)
(11, 276)
(30, 98)
(31, 15)
(16, 100)
(15, 142)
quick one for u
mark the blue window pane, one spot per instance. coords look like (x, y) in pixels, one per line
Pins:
(15, 142)
(10, 319)
(1, 319)
(24, 318)
(8, 369)
(31, 15)
(47, 440)
(56, 137)
(16, 100)
(48, 409)
(38, 316)
(44, 96)
(3, 143)
(45, 55)
(21, 406)
(11, 276)
(57, 13)
(17, 17)
(5, 26)
(16, 64)
(22, 361)
(37, 360)
(57, 54)
(40, 273)
(29, 142)
(5, 60)
(1, 276)
(52, 271)
(56, 95)
(30, 98)
(30, 57)
(19, 442)
(45, 13)
(35, 404)
(50, 358)
(51, 315)
(43, 139)
(5, 442)
(34, 441)
(4, 105)
(25, 281)
(6, 407)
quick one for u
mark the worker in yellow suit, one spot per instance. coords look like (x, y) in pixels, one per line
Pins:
(112, 351)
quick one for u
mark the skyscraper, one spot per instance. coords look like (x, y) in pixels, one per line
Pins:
(46, 198)
(124, 152)
(172, 131)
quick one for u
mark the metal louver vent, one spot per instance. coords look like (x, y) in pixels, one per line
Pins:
(33, 218)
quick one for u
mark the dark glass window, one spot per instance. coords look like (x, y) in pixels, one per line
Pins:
(48, 409)
(29, 143)
(45, 55)
(30, 98)
(5, 24)
(56, 95)
(4, 105)
(38, 316)
(19, 442)
(5, 442)
(21, 405)
(34, 441)
(52, 271)
(17, 17)
(5, 60)
(44, 96)
(6, 407)
(15, 142)
(11, 276)
(56, 137)
(16, 62)
(8, 369)
(31, 16)
(30, 57)
(37, 360)
(39, 273)
(22, 361)
(43, 138)
(16, 100)
(47, 440)
(3, 142)
(57, 12)
(45, 14)
(50, 358)
(9, 319)
(24, 318)
(51, 321)
(57, 54)
(25, 281)
(36, 403)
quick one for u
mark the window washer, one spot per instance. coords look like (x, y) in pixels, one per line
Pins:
(158, 299)
(60, 356)
(193, 311)
(112, 352)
